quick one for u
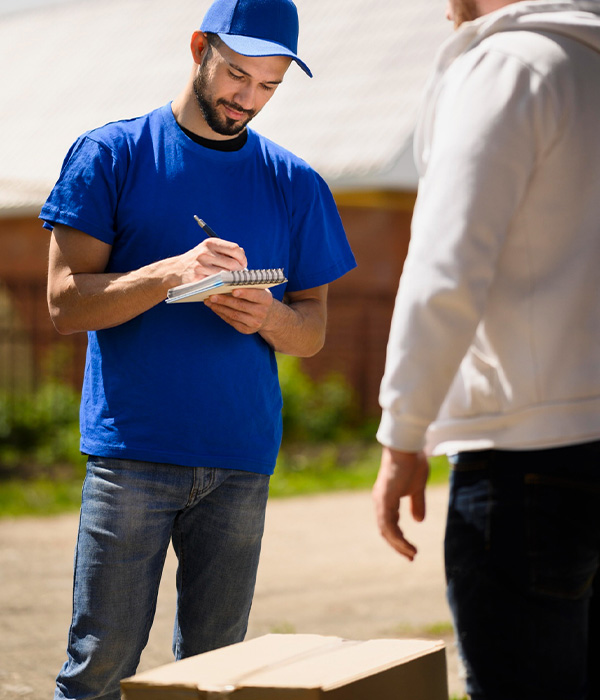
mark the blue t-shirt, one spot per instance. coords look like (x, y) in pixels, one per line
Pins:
(177, 384)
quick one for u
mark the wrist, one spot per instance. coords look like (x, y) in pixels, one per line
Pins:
(163, 274)
(397, 432)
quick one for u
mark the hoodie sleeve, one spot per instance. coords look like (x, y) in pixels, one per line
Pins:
(483, 148)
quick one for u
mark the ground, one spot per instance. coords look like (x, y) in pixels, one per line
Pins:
(324, 570)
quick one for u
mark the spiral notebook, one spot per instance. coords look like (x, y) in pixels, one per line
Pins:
(224, 283)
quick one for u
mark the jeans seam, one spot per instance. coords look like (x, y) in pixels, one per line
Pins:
(210, 476)
(201, 486)
(75, 568)
(194, 490)
(179, 578)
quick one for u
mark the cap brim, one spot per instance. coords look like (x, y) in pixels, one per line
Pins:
(249, 46)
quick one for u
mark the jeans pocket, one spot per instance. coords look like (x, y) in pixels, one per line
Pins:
(561, 535)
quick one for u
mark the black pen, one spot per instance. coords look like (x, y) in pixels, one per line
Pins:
(205, 227)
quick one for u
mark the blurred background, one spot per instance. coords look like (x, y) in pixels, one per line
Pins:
(67, 66)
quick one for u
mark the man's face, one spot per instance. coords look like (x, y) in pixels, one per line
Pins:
(459, 11)
(231, 89)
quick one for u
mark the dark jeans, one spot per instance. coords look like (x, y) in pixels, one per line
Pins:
(522, 552)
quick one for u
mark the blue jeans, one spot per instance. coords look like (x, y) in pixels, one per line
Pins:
(130, 512)
(522, 551)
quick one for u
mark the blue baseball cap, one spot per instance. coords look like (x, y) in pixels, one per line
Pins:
(256, 27)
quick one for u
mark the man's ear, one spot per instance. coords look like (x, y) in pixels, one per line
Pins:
(198, 46)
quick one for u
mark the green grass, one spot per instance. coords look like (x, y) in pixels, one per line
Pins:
(329, 447)
(300, 471)
(436, 630)
(39, 497)
(439, 629)
(332, 468)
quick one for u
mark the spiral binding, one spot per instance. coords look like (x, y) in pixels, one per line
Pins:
(258, 276)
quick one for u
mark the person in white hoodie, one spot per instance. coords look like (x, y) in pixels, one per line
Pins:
(494, 350)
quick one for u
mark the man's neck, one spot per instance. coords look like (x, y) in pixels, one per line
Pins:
(229, 145)
(487, 6)
(188, 115)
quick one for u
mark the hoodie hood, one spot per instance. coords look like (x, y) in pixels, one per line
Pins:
(576, 19)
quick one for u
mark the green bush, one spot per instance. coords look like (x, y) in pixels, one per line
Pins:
(39, 429)
(313, 411)
(326, 446)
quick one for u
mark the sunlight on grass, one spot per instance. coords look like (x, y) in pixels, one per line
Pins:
(318, 470)
(328, 446)
(443, 628)
(39, 497)
(283, 628)
(328, 470)
(439, 629)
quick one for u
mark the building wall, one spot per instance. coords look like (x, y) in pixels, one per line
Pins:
(29, 345)
(360, 303)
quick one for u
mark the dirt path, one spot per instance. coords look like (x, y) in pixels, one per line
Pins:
(324, 570)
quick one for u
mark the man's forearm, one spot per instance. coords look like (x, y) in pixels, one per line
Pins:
(92, 301)
(83, 297)
(297, 328)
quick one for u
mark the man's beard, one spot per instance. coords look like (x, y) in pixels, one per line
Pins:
(219, 123)
(464, 11)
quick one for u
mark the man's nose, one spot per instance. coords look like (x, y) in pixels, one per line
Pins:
(245, 97)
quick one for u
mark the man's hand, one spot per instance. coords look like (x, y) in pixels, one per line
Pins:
(247, 310)
(207, 258)
(295, 326)
(400, 474)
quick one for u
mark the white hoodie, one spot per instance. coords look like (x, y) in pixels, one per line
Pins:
(495, 340)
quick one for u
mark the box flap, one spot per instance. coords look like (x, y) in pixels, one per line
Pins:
(301, 661)
(342, 662)
(230, 667)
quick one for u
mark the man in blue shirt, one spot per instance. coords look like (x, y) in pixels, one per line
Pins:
(181, 407)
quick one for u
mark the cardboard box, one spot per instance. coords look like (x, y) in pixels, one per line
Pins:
(301, 667)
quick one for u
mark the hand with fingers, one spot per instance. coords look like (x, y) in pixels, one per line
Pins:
(401, 474)
(207, 258)
(247, 310)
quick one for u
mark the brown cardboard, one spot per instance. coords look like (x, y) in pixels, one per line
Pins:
(301, 667)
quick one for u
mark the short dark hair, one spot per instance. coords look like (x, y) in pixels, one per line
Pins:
(213, 39)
